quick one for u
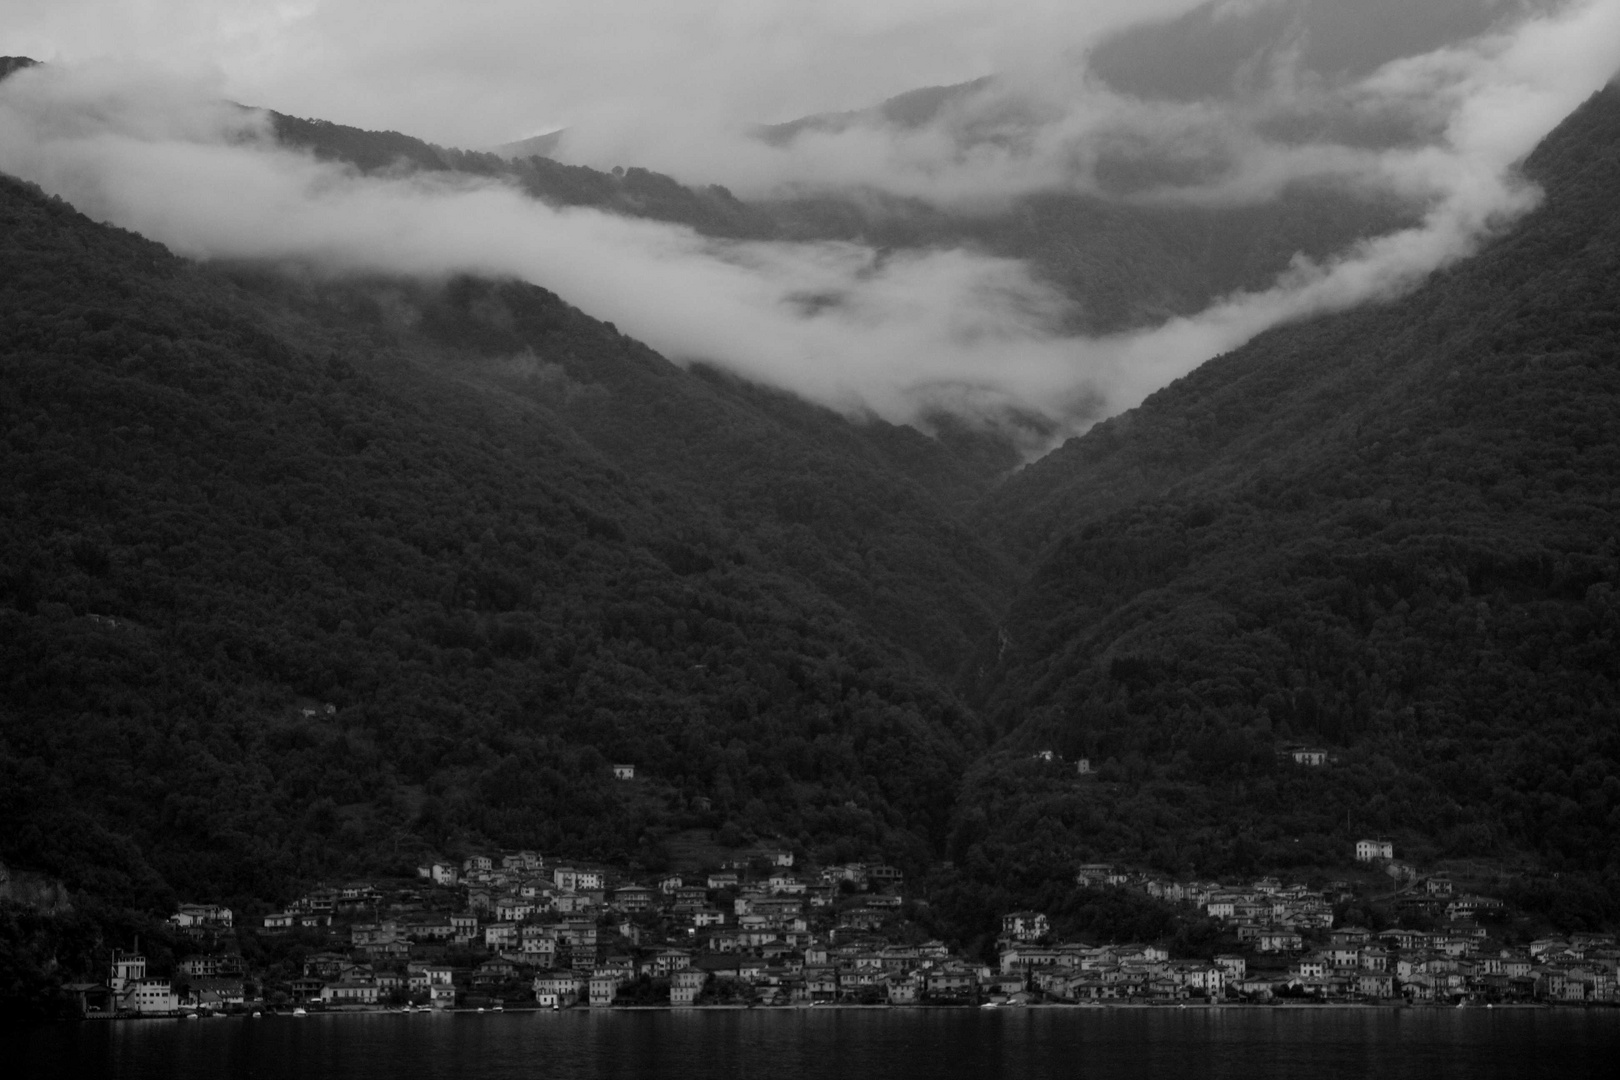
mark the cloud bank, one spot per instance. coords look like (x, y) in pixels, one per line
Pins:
(484, 72)
(899, 334)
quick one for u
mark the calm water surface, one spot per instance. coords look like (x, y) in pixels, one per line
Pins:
(1096, 1044)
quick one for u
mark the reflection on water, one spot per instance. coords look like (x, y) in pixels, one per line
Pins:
(924, 1044)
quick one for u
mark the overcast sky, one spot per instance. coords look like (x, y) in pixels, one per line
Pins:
(480, 72)
(129, 126)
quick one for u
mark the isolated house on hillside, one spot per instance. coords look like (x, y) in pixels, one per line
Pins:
(1368, 850)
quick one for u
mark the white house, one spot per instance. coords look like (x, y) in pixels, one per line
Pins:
(195, 916)
(1024, 925)
(148, 996)
(1368, 850)
(624, 772)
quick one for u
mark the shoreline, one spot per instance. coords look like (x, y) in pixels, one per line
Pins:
(1058, 1006)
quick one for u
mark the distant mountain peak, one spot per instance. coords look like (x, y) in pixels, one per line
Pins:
(912, 109)
(535, 146)
(9, 64)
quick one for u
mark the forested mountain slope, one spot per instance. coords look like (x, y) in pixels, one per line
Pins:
(229, 500)
(1124, 263)
(1394, 533)
(508, 545)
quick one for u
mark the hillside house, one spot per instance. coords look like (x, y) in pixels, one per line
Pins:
(496, 972)
(1378, 985)
(901, 990)
(350, 992)
(1207, 979)
(228, 965)
(603, 989)
(1368, 850)
(1097, 875)
(1025, 925)
(1278, 941)
(952, 983)
(686, 985)
(633, 898)
(429, 928)
(885, 876)
(514, 909)
(784, 883)
(558, 989)
(691, 896)
(1309, 755)
(624, 772)
(194, 917)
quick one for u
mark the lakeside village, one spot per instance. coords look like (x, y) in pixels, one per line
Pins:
(514, 930)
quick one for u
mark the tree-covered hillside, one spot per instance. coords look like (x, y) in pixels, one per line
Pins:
(299, 575)
(1392, 533)
(230, 501)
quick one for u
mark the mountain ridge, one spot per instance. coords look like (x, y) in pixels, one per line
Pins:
(1389, 532)
(508, 546)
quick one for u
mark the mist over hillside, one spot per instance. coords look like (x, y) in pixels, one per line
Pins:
(364, 499)
(1389, 532)
(1032, 251)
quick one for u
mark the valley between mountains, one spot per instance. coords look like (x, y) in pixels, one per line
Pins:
(305, 575)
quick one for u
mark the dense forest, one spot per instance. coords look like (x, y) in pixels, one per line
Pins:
(1393, 533)
(302, 576)
(227, 504)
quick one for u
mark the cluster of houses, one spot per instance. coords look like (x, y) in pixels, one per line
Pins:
(515, 927)
(1351, 964)
(1289, 947)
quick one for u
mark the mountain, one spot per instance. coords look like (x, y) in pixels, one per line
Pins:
(301, 576)
(1124, 263)
(535, 146)
(9, 64)
(913, 109)
(1390, 533)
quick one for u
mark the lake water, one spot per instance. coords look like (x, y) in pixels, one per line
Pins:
(921, 1044)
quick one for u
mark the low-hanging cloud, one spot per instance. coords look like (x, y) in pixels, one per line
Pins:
(899, 334)
(1050, 125)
